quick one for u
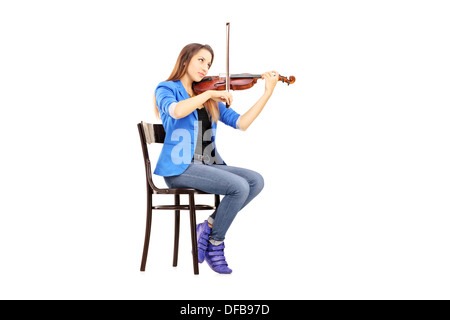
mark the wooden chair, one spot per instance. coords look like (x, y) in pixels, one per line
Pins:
(154, 133)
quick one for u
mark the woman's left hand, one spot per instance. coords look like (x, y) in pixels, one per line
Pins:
(271, 79)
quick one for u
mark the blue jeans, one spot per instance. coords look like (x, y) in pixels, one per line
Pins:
(238, 185)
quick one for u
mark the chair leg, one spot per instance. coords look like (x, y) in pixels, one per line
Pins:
(176, 240)
(216, 200)
(148, 226)
(193, 232)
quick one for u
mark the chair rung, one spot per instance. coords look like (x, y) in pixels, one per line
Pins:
(183, 207)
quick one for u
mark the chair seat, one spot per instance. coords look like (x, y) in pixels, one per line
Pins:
(183, 207)
(178, 191)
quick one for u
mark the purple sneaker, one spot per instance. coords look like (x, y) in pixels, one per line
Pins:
(216, 259)
(203, 231)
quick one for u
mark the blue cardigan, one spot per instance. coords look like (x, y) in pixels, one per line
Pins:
(181, 134)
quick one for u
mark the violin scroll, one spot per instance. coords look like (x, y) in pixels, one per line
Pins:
(289, 81)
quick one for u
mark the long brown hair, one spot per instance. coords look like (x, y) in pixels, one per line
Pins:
(179, 71)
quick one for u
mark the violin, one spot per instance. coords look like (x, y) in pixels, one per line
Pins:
(233, 81)
(237, 82)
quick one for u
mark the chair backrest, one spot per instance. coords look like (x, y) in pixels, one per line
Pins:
(154, 133)
(150, 133)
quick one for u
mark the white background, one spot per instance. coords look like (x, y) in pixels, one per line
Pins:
(355, 154)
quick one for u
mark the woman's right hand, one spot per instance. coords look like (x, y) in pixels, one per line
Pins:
(221, 96)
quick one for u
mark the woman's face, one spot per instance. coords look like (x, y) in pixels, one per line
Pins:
(199, 65)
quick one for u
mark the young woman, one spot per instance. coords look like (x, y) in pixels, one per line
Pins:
(189, 157)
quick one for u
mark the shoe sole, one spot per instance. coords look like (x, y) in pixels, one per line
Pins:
(210, 265)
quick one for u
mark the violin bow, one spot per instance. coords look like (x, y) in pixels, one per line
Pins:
(228, 81)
